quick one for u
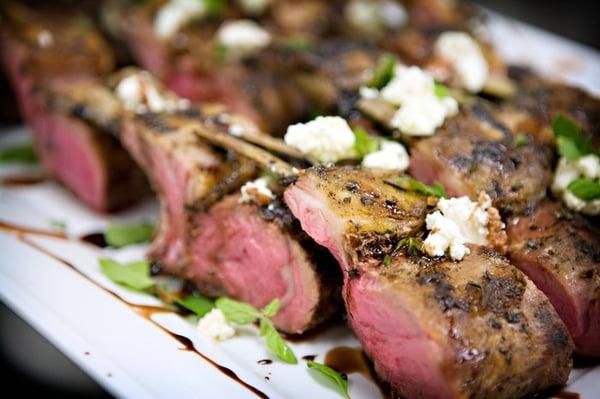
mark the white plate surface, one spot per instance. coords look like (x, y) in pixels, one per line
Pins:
(134, 354)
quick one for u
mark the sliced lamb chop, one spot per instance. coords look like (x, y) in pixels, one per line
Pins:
(433, 327)
(41, 50)
(245, 251)
(560, 251)
(474, 152)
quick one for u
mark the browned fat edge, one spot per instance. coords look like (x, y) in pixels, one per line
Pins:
(6, 226)
(146, 312)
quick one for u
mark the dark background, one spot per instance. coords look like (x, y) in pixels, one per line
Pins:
(575, 19)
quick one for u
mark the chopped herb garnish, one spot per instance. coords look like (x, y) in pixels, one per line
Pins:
(440, 90)
(134, 275)
(521, 140)
(314, 114)
(364, 143)
(411, 184)
(585, 189)
(298, 44)
(214, 7)
(387, 260)
(58, 225)
(269, 174)
(411, 245)
(22, 153)
(221, 54)
(570, 141)
(241, 313)
(340, 380)
(198, 304)
(384, 71)
(120, 235)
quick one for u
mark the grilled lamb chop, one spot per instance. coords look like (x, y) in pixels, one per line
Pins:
(433, 327)
(474, 152)
(560, 251)
(42, 50)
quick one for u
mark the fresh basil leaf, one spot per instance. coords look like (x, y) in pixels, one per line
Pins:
(272, 308)
(22, 153)
(411, 184)
(384, 71)
(339, 379)
(387, 260)
(521, 140)
(440, 90)
(237, 312)
(411, 244)
(58, 225)
(585, 189)
(120, 235)
(198, 304)
(570, 141)
(364, 143)
(134, 275)
(275, 343)
(214, 7)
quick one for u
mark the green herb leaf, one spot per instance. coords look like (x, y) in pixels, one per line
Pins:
(411, 184)
(134, 275)
(387, 260)
(58, 225)
(521, 140)
(220, 54)
(585, 189)
(198, 304)
(272, 308)
(214, 7)
(364, 143)
(412, 245)
(298, 44)
(275, 343)
(440, 90)
(237, 312)
(339, 379)
(570, 141)
(22, 153)
(384, 71)
(121, 235)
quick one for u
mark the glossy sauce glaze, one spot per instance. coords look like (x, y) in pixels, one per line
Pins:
(95, 239)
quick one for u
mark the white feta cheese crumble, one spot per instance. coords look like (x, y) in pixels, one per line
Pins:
(567, 171)
(45, 39)
(257, 191)
(371, 16)
(254, 7)
(175, 14)
(392, 156)
(413, 90)
(138, 93)
(242, 37)
(457, 221)
(465, 57)
(214, 325)
(326, 138)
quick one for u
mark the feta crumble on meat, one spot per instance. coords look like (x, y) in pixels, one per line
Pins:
(242, 37)
(465, 58)
(412, 89)
(257, 191)
(254, 7)
(175, 14)
(392, 156)
(214, 325)
(138, 93)
(326, 138)
(370, 16)
(459, 221)
(567, 171)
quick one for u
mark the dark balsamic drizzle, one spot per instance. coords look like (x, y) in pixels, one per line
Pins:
(147, 312)
(22, 181)
(309, 357)
(263, 362)
(95, 239)
(30, 230)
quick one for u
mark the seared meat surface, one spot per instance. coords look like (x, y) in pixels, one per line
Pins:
(474, 152)
(433, 327)
(560, 251)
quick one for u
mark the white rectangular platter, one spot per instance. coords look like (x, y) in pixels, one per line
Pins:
(55, 284)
